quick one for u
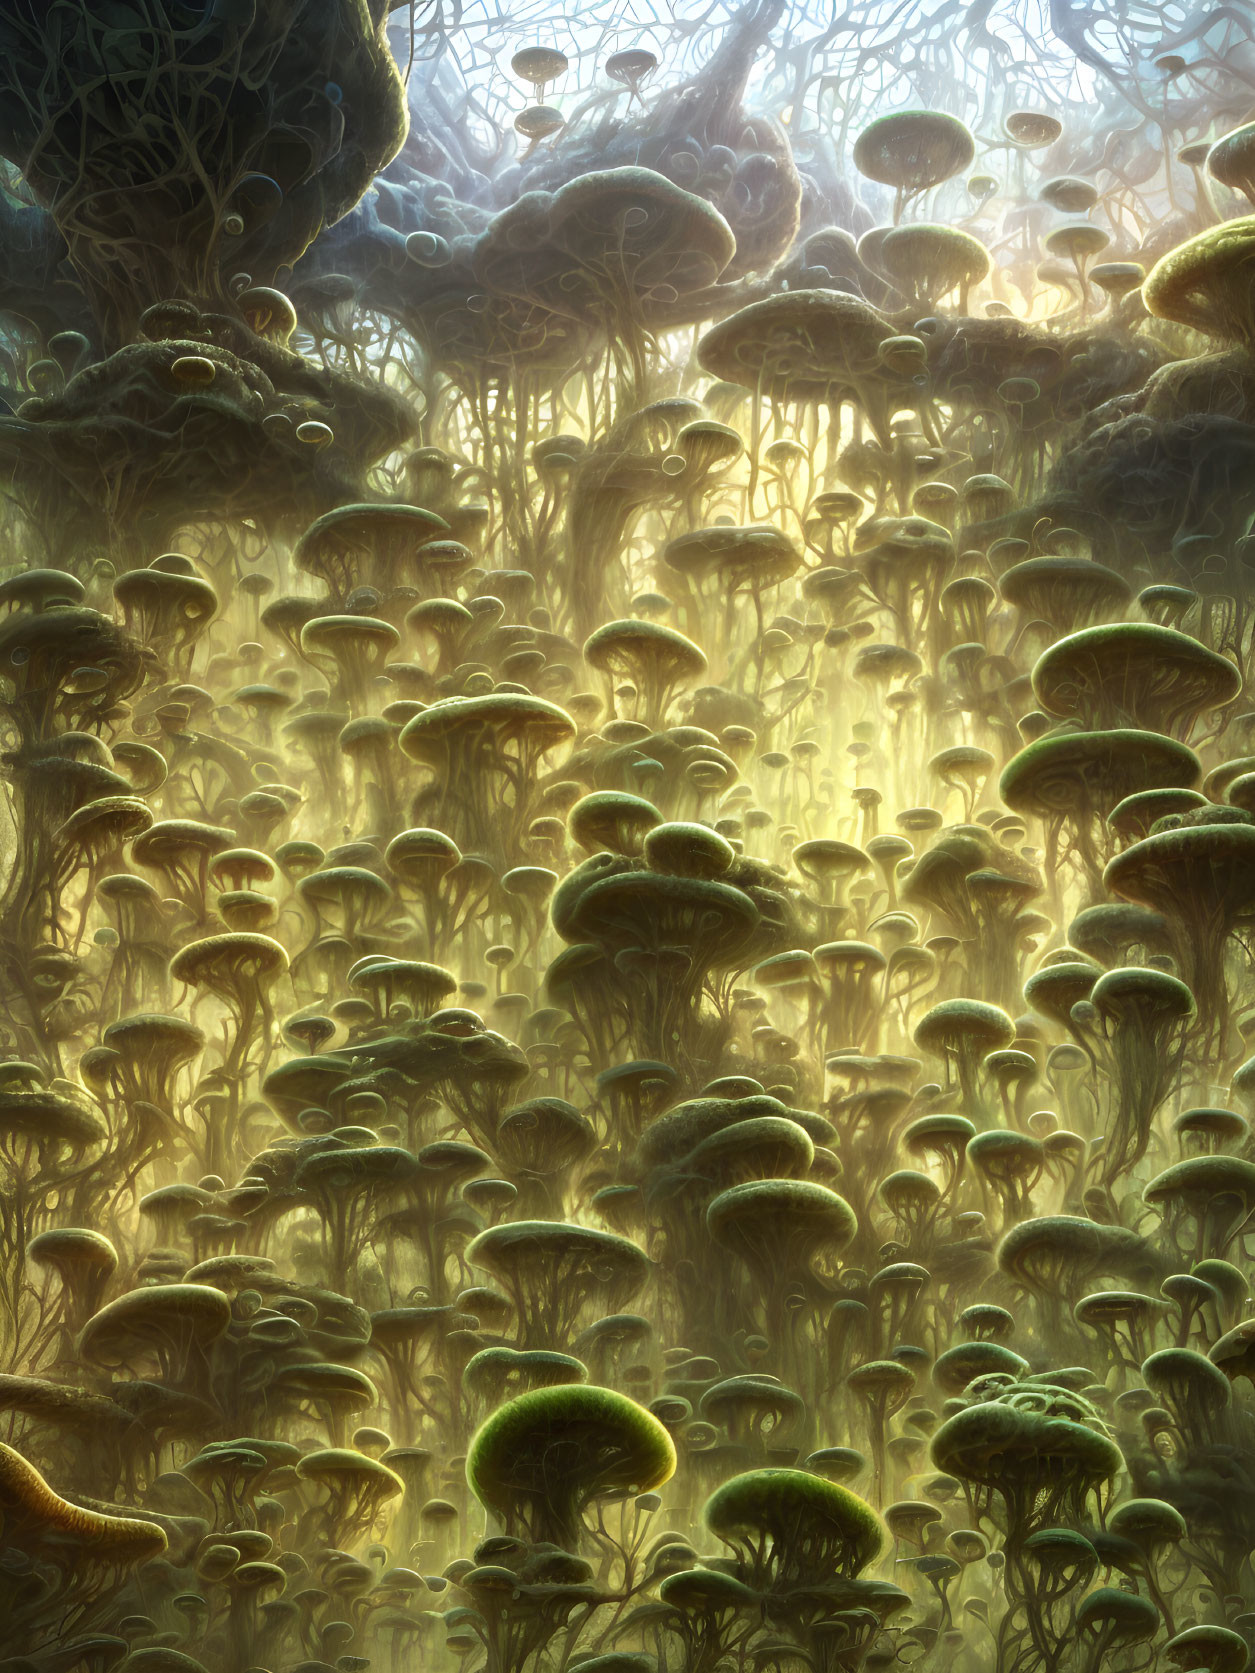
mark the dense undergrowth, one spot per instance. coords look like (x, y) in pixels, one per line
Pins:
(625, 945)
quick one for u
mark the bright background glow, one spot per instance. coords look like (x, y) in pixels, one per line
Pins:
(842, 67)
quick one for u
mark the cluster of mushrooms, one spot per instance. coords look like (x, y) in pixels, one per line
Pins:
(627, 850)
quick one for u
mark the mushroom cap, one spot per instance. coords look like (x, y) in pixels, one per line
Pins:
(105, 822)
(1033, 128)
(1217, 1649)
(1200, 1179)
(1102, 675)
(365, 529)
(791, 1506)
(37, 1516)
(932, 257)
(913, 150)
(1205, 282)
(150, 1316)
(337, 635)
(612, 820)
(39, 588)
(1142, 997)
(806, 1210)
(800, 345)
(1231, 159)
(61, 1404)
(1234, 1353)
(73, 1247)
(1172, 871)
(1035, 1251)
(342, 1386)
(602, 235)
(971, 1022)
(630, 66)
(492, 1370)
(417, 854)
(995, 1444)
(539, 64)
(1118, 1617)
(624, 646)
(501, 1249)
(1065, 772)
(756, 554)
(954, 1369)
(336, 1466)
(454, 723)
(227, 963)
(47, 1116)
(154, 1034)
(574, 1440)
(1147, 1521)
(649, 909)
(1034, 584)
(764, 1146)
(1070, 194)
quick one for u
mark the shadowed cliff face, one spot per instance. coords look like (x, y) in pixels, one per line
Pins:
(627, 844)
